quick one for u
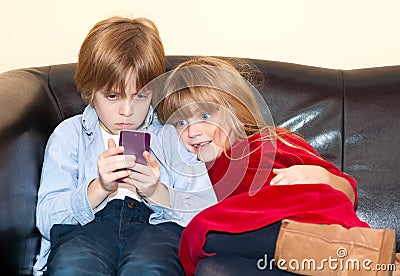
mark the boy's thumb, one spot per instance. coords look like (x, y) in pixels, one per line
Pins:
(111, 143)
(151, 161)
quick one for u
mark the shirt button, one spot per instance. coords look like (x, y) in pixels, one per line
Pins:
(131, 204)
(169, 213)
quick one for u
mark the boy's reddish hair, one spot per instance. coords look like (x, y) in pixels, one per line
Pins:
(113, 48)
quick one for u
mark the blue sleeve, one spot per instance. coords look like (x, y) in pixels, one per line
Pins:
(185, 177)
(61, 198)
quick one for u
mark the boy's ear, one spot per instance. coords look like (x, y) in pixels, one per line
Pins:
(92, 98)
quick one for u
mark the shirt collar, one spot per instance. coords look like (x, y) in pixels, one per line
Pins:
(149, 118)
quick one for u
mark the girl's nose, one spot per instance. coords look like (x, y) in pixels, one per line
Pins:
(194, 129)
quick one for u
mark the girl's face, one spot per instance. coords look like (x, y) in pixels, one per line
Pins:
(117, 112)
(204, 135)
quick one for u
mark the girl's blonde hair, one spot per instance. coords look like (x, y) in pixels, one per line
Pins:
(115, 47)
(215, 81)
(202, 86)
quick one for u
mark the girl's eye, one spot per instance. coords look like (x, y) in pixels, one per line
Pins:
(205, 116)
(181, 123)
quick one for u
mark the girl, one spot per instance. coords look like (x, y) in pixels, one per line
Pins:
(218, 118)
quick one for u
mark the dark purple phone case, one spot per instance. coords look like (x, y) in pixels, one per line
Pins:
(135, 143)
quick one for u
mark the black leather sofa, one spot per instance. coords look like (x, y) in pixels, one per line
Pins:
(352, 117)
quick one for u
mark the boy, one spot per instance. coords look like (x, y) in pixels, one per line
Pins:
(99, 211)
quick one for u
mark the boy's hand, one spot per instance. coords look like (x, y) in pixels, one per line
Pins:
(113, 166)
(146, 179)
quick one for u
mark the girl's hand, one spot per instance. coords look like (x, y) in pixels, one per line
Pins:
(301, 174)
(311, 174)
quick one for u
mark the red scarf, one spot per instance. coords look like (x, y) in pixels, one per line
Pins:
(254, 204)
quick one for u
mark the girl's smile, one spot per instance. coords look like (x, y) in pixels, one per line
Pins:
(203, 135)
(199, 146)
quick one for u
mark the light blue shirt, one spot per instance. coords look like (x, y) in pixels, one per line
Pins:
(70, 164)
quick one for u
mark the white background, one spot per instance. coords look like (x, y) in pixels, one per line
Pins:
(342, 34)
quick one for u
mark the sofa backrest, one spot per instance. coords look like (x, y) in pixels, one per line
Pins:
(351, 117)
(372, 142)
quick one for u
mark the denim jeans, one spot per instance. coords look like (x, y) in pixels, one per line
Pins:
(119, 241)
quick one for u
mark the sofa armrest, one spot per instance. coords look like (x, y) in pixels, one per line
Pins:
(28, 113)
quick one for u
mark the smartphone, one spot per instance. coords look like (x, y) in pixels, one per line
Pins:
(135, 143)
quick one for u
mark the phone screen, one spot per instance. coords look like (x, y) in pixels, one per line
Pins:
(135, 143)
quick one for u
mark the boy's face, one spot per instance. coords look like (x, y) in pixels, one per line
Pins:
(117, 112)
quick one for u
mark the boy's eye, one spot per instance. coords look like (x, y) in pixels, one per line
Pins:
(181, 123)
(141, 96)
(205, 116)
(112, 96)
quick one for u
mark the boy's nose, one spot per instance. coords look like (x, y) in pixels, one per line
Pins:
(126, 108)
